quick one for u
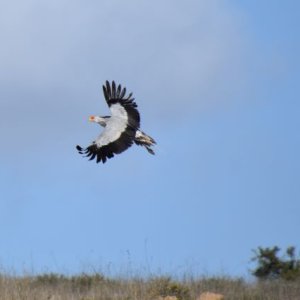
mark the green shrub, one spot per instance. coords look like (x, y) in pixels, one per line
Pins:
(271, 266)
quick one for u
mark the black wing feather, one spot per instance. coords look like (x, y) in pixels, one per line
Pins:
(123, 93)
(113, 90)
(108, 151)
(113, 96)
(118, 91)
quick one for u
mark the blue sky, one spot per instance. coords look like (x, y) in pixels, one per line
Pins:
(217, 84)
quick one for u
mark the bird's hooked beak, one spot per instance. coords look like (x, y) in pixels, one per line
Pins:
(92, 118)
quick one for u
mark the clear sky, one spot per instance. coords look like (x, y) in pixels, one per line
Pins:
(218, 87)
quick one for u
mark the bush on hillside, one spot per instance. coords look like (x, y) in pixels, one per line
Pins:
(271, 266)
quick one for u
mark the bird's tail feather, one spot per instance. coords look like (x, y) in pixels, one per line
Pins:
(142, 139)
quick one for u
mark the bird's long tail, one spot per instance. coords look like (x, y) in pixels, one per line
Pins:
(142, 139)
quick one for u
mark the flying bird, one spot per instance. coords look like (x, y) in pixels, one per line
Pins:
(121, 129)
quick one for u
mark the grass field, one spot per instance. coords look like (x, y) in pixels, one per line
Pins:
(98, 287)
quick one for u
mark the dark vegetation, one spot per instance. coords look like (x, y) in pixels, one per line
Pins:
(271, 266)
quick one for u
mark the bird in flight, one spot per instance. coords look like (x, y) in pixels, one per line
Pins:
(121, 129)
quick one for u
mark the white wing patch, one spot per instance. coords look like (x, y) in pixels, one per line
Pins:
(115, 126)
(118, 111)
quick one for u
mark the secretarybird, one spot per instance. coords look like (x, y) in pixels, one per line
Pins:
(121, 129)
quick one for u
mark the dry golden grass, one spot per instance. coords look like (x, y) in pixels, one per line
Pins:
(210, 296)
(98, 287)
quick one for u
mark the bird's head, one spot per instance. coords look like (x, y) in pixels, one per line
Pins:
(92, 118)
(100, 120)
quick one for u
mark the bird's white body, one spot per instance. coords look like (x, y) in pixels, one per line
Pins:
(140, 136)
(112, 130)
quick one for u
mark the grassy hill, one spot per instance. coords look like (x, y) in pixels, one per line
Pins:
(99, 287)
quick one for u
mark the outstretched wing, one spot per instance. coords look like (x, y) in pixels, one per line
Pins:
(120, 105)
